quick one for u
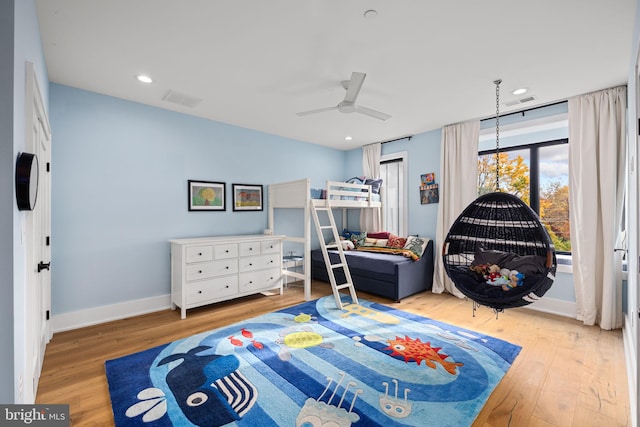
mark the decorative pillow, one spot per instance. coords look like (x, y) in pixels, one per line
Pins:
(375, 185)
(370, 242)
(490, 256)
(356, 180)
(382, 242)
(348, 233)
(358, 239)
(379, 235)
(416, 245)
(396, 241)
(525, 264)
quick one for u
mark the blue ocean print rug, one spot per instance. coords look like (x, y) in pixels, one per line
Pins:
(311, 365)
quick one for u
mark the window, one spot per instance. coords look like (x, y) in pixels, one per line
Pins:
(539, 175)
(393, 193)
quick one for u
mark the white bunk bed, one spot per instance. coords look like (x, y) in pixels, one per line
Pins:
(297, 195)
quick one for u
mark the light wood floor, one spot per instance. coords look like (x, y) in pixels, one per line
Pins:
(567, 374)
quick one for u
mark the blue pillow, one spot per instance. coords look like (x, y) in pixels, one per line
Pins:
(375, 185)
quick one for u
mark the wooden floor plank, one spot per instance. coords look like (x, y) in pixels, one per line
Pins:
(567, 374)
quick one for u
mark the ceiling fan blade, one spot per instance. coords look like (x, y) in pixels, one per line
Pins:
(372, 113)
(320, 110)
(355, 84)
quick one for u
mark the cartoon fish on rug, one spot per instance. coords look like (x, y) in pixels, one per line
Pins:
(316, 413)
(303, 318)
(299, 338)
(419, 351)
(369, 313)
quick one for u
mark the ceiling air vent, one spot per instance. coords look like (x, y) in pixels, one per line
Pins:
(519, 101)
(182, 99)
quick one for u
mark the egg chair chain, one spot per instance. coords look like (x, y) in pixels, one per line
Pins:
(497, 83)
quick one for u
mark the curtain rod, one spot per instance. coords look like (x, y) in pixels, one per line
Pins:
(394, 140)
(524, 111)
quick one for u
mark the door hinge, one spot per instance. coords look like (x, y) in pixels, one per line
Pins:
(48, 315)
(48, 166)
(47, 241)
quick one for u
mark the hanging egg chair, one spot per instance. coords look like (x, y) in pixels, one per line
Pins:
(499, 229)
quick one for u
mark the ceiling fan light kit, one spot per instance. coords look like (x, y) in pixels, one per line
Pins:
(348, 104)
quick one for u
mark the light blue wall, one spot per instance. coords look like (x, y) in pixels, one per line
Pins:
(423, 151)
(19, 42)
(119, 177)
(423, 156)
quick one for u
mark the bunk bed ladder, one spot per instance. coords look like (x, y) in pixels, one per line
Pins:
(320, 228)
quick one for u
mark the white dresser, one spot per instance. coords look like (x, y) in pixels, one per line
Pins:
(205, 270)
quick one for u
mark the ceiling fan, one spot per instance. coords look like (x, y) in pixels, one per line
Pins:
(348, 104)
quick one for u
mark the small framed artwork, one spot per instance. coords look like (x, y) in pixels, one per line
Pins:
(427, 179)
(247, 197)
(429, 194)
(206, 196)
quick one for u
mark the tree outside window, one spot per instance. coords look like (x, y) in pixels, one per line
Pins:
(538, 175)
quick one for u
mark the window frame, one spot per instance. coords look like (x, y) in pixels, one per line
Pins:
(534, 171)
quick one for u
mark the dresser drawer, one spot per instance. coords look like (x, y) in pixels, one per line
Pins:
(262, 279)
(259, 262)
(270, 247)
(210, 289)
(224, 251)
(249, 248)
(198, 253)
(211, 269)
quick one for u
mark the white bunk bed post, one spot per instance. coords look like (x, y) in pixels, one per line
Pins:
(297, 195)
(294, 195)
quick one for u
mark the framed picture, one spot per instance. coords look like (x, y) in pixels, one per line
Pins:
(206, 196)
(429, 194)
(427, 179)
(247, 197)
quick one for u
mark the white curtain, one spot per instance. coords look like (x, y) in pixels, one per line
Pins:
(597, 141)
(458, 187)
(370, 219)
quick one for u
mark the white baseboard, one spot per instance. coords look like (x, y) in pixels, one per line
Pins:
(631, 360)
(554, 306)
(107, 313)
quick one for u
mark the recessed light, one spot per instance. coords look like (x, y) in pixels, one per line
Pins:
(519, 91)
(144, 78)
(348, 138)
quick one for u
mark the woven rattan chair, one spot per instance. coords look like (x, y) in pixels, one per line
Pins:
(498, 222)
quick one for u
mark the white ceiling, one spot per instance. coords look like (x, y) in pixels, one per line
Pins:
(256, 63)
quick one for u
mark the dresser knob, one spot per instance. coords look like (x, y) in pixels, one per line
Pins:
(250, 281)
(199, 292)
(227, 251)
(199, 253)
(250, 264)
(200, 271)
(227, 267)
(227, 286)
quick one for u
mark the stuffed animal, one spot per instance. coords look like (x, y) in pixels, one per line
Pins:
(495, 276)
(515, 279)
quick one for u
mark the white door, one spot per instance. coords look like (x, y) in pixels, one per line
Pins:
(38, 239)
(393, 193)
